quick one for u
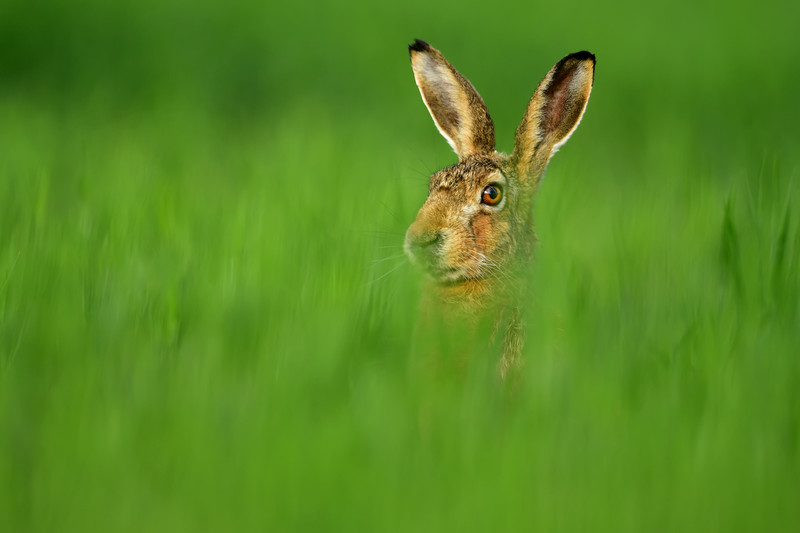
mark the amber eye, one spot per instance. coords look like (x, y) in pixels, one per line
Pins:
(492, 195)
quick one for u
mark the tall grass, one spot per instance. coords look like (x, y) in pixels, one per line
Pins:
(206, 318)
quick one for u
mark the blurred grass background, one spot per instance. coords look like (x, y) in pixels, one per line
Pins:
(205, 321)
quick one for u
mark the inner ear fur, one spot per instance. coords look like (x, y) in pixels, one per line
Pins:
(553, 113)
(455, 106)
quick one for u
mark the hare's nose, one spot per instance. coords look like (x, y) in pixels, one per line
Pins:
(428, 241)
(424, 246)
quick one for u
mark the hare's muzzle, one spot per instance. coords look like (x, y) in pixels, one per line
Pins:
(423, 248)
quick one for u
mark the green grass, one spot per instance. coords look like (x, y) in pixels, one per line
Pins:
(206, 323)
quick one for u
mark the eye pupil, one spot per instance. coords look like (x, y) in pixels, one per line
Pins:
(491, 195)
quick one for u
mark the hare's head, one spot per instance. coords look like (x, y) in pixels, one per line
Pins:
(476, 222)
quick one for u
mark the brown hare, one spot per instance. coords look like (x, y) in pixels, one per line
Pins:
(474, 234)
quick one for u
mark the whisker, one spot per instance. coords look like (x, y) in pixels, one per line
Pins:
(388, 210)
(494, 269)
(387, 273)
(383, 232)
(376, 261)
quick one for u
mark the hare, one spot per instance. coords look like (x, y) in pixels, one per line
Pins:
(474, 234)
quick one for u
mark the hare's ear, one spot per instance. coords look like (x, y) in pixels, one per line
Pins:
(553, 113)
(455, 105)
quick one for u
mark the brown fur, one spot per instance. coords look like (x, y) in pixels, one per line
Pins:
(475, 253)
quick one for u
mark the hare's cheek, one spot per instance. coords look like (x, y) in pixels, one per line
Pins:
(481, 231)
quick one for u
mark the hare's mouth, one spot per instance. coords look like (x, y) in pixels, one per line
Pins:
(451, 276)
(458, 282)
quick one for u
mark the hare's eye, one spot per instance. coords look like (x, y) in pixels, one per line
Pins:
(492, 195)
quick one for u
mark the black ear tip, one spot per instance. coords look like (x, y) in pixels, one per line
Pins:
(583, 56)
(418, 46)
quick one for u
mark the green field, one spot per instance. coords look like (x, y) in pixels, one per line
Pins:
(206, 319)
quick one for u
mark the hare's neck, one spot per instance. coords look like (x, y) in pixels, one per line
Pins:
(474, 317)
(479, 298)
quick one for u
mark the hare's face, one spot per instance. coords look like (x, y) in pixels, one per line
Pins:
(476, 220)
(463, 232)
